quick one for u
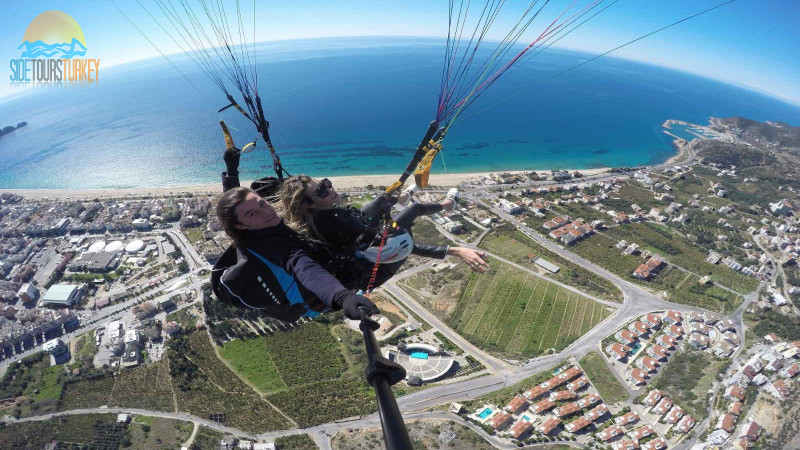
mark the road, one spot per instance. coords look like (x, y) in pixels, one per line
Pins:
(636, 301)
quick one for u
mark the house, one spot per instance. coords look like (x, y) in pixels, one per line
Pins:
(647, 364)
(520, 429)
(652, 397)
(698, 340)
(727, 422)
(245, 445)
(548, 425)
(627, 419)
(686, 424)
(641, 432)
(578, 384)
(610, 433)
(698, 327)
(625, 336)
(791, 371)
(723, 349)
(779, 389)
(597, 412)
(542, 406)
(456, 408)
(618, 351)
(652, 320)
(577, 425)
(735, 408)
(561, 396)
(666, 341)
(589, 400)
(673, 317)
(637, 376)
(663, 406)
(726, 324)
(674, 415)
(657, 352)
(517, 405)
(567, 410)
(655, 444)
(750, 431)
(734, 392)
(123, 418)
(674, 331)
(535, 393)
(501, 420)
(639, 328)
(625, 444)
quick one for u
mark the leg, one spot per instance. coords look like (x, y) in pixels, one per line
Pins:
(374, 208)
(406, 217)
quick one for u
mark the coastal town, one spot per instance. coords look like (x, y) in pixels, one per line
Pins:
(650, 307)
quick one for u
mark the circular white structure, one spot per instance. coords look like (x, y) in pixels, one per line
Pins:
(134, 246)
(114, 246)
(423, 361)
(97, 247)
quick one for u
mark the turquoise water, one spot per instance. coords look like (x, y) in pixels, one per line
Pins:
(557, 371)
(485, 413)
(526, 418)
(636, 348)
(419, 355)
(355, 106)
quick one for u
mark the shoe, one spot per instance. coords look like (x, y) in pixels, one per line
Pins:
(405, 197)
(452, 193)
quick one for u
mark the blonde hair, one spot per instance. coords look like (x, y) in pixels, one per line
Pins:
(293, 206)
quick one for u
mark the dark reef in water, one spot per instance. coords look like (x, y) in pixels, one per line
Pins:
(5, 130)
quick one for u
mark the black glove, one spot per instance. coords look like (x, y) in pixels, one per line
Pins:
(232, 161)
(350, 303)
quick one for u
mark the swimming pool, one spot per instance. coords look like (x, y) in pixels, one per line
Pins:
(485, 413)
(419, 355)
(636, 347)
(526, 418)
(557, 371)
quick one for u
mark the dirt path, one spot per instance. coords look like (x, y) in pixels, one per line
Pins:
(190, 441)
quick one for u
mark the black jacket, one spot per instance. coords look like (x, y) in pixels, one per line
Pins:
(272, 270)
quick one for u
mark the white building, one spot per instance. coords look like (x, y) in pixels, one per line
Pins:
(510, 207)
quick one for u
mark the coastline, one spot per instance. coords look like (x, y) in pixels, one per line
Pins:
(345, 182)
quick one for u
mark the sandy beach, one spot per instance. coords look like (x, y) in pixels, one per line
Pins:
(343, 183)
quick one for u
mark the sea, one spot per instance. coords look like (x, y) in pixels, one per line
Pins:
(355, 106)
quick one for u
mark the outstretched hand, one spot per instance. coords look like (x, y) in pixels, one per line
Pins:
(472, 258)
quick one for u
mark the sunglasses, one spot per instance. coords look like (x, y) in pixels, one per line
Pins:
(323, 189)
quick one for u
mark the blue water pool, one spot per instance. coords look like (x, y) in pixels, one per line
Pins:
(557, 371)
(419, 355)
(636, 348)
(526, 418)
(485, 413)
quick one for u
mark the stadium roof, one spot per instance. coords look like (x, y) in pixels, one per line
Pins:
(60, 293)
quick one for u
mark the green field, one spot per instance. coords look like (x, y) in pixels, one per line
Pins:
(295, 442)
(304, 366)
(158, 433)
(251, 361)
(680, 251)
(78, 431)
(679, 286)
(687, 378)
(515, 314)
(601, 377)
(203, 385)
(519, 248)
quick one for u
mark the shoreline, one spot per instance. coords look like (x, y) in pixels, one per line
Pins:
(344, 182)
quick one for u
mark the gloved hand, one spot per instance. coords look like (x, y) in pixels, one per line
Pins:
(351, 302)
(232, 161)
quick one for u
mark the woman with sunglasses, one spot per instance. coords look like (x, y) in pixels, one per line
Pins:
(270, 266)
(311, 208)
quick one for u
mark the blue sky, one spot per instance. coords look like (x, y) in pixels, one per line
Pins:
(751, 43)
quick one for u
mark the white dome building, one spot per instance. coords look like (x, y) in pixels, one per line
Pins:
(114, 246)
(134, 246)
(97, 247)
